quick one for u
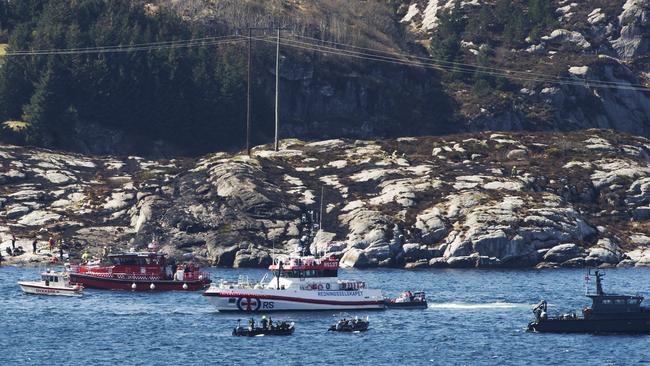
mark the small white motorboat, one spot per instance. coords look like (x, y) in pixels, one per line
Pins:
(52, 283)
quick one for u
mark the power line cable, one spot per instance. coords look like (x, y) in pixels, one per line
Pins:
(468, 68)
(197, 42)
(507, 72)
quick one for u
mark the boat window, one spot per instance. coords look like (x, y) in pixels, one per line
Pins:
(619, 301)
(56, 279)
(232, 300)
(607, 302)
(633, 301)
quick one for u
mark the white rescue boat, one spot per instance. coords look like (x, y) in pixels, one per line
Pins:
(52, 283)
(298, 283)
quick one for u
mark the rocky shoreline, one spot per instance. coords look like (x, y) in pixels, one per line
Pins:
(488, 200)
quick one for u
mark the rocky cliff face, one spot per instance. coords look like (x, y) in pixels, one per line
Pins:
(329, 96)
(605, 41)
(475, 200)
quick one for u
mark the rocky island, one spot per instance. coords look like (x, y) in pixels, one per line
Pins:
(468, 200)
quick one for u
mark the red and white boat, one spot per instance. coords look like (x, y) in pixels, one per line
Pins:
(142, 271)
(298, 283)
(52, 283)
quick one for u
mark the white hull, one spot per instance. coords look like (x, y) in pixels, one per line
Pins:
(267, 300)
(37, 288)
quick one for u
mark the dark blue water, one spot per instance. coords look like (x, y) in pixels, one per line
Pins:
(475, 317)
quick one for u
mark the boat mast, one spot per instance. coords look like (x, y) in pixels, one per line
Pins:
(599, 286)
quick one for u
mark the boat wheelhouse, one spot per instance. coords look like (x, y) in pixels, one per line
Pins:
(297, 283)
(52, 283)
(141, 271)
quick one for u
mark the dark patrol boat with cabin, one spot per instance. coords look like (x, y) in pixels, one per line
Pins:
(609, 313)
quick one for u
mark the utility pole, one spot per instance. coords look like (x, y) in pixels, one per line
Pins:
(248, 99)
(277, 88)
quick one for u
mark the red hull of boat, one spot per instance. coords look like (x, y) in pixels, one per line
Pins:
(104, 283)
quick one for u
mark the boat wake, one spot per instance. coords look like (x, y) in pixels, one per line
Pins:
(470, 306)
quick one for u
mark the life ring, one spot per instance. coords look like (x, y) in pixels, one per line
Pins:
(327, 286)
(320, 286)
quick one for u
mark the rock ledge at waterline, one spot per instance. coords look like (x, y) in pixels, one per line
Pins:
(472, 200)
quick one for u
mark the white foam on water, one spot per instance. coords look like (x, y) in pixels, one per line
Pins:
(469, 306)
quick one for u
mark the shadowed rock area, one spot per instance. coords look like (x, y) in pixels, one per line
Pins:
(472, 200)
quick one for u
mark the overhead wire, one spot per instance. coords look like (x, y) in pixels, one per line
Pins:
(455, 63)
(465, 68)
(150, 46)
(346, 50)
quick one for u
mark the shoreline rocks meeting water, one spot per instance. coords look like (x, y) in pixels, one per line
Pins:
(488, 200)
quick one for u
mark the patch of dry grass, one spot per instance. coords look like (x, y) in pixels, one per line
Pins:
(15, 126)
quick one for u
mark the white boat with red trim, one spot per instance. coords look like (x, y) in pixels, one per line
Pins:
(298, 283)
(52, 283)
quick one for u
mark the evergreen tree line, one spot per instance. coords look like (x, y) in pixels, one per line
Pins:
(190, 96)
(506, 23)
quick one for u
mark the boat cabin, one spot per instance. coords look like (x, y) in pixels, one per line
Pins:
(53, 278)
(616, 303)
(305, 267)
(137, 259)
(141, 263)
(612, 303)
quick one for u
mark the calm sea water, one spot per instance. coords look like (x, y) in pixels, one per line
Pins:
(475, 317)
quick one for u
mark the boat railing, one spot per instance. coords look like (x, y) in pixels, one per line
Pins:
(321, 286)
(242, 283)
(196, 276)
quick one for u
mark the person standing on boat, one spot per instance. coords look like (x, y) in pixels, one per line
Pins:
(265, 322)
(251, 323)
(84, 257)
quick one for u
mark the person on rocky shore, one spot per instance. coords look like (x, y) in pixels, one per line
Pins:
(34, 245)
(13, 243)
(51, 242)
